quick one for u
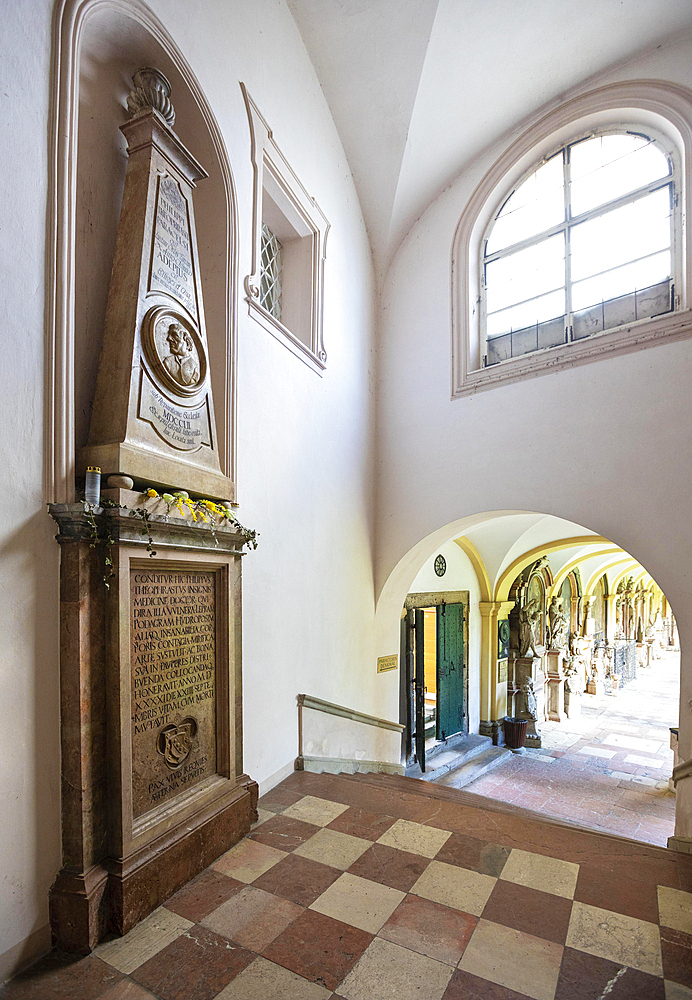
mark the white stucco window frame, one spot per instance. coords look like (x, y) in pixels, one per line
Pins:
(276, 184)
(664, 108)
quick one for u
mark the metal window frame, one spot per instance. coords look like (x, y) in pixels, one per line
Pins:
(672, 180)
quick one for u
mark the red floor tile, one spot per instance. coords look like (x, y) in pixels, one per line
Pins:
(199, 897)
(197, 964)
(430, 929)
(539, 913)
(631, 896)
(360, 823)
(389, 866)
(464, 986)
(62, 977)
(283, 833)
(676, 949)
(584, 977)
(319, 948)
(470, 852)
(299, 879)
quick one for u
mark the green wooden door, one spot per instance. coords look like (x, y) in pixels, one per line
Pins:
(450, 670)
(419, 686)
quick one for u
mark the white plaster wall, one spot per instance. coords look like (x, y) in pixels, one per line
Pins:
(460, 575)
(607, 445)
(29, 694)
(305, 443)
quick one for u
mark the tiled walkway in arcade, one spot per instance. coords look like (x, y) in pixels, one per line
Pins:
(383, 888)
(608, 768)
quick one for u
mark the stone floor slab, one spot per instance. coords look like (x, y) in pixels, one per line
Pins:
(615, 937)
(359, 902)
(386, 971)
(510, 958)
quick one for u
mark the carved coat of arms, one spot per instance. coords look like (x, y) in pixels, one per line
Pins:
(176, 743)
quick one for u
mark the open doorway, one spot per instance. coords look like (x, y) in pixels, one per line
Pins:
(434, 678)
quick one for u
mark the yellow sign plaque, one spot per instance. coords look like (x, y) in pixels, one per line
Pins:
(387, 663)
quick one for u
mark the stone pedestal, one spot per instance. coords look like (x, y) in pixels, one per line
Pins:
(572, 703)
(555, 677)
(153, 788)
(529, 695)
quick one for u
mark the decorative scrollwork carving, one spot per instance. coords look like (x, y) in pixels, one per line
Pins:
(151, 90)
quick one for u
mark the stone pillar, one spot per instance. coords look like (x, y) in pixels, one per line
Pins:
(529, 701)
(493, 671)
(555, 672)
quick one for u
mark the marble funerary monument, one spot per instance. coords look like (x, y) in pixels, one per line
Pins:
(153, 788)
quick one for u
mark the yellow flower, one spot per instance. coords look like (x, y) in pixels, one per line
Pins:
(152, 493)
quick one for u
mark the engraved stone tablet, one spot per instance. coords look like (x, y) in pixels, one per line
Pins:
(173, 694)
(171, 263)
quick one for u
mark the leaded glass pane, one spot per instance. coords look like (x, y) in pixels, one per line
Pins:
(271, 273)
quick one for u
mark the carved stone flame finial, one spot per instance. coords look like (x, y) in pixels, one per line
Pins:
(151, 90)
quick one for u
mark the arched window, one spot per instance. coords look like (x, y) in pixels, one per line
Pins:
(585, 243)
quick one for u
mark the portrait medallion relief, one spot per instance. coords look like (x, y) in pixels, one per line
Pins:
(174, 351)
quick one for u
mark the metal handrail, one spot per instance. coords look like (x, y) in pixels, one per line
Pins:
(329, 708)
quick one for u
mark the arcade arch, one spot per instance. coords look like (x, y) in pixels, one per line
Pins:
(617, 619)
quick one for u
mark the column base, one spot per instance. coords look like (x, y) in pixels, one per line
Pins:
(494, 729)
(683, 844)
(117, 894)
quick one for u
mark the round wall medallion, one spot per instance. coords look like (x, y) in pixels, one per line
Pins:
(440, 565)
(174, 350)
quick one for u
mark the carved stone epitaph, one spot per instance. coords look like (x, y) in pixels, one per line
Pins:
(153, 414)
(151, 709)
(173, 665)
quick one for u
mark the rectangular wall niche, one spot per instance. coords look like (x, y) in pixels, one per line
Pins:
(285, 290)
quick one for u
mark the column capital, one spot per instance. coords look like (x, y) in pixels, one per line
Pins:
(499, 609)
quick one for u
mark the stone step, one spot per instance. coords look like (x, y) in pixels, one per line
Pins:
(448, 756)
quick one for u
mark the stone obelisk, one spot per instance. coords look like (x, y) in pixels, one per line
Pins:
(153, 414)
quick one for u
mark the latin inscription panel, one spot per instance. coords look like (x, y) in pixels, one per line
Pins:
(185, 428)
(171, 264)
(173, 666)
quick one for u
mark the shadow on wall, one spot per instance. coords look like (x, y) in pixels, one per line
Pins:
(31, 723)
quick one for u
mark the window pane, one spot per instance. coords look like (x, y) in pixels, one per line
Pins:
(534, 207)
(621, 235)
(537, 310)
(525, 274)
(610, 166)
(639, 274)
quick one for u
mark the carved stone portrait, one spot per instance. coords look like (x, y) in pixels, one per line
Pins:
(174, 351)
(183, 362)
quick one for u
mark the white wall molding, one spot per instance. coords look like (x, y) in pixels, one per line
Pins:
(308, 220)
(669, 107)
(70, 18)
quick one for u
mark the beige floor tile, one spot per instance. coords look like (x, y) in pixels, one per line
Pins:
(144, 941)
(330, 847)
(248, 860)
(539, 872)
(386, 971)
(415, 838)
(518, 961)
(613, 936)
(310, 809)
(262, 816)
(675, 909)
(252, 917)
(452, 886)
(675, 991)
(358, 901)
(263, 980)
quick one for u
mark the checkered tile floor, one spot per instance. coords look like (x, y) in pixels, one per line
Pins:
(350, 888)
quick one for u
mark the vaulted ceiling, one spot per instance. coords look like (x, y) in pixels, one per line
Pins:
(418, 88)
